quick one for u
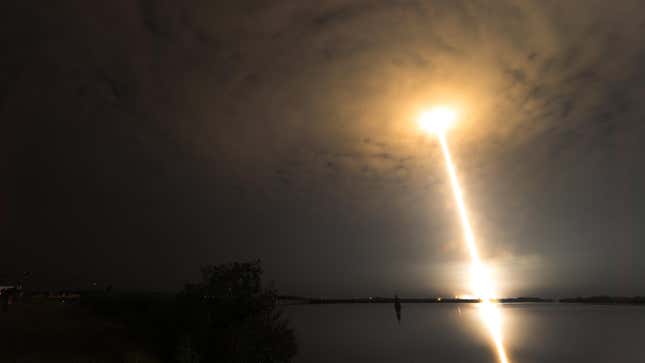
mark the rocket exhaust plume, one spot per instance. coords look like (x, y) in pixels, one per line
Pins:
(481, 284)
(438, 121)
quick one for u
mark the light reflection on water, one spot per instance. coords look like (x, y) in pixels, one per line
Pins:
(491, 315)
(453, 332)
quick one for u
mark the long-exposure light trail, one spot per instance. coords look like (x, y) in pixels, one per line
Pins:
(437, 121)
(481, 284)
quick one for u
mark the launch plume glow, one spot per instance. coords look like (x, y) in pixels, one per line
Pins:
(437, 121)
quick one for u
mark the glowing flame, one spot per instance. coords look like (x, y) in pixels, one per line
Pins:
(481, 284)
(437, 121)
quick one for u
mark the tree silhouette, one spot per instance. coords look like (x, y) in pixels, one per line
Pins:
(230, 317)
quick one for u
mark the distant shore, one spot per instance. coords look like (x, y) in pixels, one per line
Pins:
(635, 300)
(72, 295)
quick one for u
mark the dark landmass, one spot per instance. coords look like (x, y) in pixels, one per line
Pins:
(50, 330)
(509, 300)
(388, 300)
(613, 300)
(617, 300)
(227, 316)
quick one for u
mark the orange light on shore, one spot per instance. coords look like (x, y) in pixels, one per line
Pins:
(437, 121)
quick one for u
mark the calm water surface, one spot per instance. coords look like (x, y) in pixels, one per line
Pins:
(533, 333)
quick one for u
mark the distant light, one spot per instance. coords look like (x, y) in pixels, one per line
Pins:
(466, 297)
(437, 119)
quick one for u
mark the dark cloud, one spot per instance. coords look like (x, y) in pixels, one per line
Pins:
(147, 138)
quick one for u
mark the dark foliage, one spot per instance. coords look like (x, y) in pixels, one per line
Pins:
(227, 317)
(231, 317)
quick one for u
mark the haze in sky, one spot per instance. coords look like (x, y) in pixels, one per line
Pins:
(144, 139)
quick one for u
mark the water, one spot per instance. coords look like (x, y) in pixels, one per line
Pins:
(453, 333)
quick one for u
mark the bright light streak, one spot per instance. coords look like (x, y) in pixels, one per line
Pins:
(438, 121)
(480, 282)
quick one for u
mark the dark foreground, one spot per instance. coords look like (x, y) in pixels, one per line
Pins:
(228, 316)
(57, 331)
(63, 332)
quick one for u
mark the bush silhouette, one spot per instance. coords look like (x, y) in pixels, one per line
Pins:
(230, 317)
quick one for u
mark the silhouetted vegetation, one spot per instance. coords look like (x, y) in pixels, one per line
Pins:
(229, 316)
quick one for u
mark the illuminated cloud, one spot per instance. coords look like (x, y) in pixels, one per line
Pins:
(298, 119)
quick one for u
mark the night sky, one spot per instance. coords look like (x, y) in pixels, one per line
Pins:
(143, 139)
